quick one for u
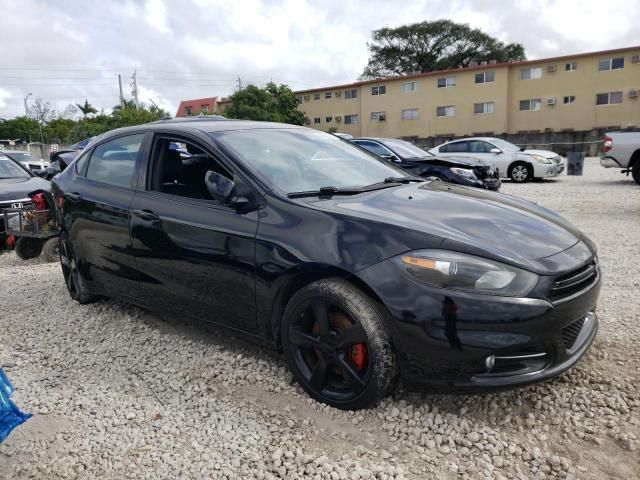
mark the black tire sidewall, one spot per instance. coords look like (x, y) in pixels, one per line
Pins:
(27, 248)
(83, 296)
(364, 310)
(51, 250)
(635, 172)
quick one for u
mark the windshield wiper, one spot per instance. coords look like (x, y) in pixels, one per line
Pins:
(325, 191)
(402, 180)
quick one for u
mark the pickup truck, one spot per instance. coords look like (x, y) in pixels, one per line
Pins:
(622, 150)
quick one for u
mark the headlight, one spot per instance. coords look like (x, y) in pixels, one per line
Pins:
(463, 172)
(445, 269)
(540, 159)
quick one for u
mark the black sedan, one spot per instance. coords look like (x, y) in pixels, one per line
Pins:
(460, 170)
(359, 272)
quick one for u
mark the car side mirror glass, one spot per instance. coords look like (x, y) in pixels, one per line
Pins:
(219, 186)
(495, 150)
(391, 157)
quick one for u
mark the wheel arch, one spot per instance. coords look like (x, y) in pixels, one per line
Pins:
(298, 278)
(526, 162)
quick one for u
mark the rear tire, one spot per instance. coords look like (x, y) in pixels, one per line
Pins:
(336, 345)
(51, 249)
(27, 248)
(72, 276)
(520, 172)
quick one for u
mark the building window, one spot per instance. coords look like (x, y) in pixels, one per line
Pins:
(570, 67)
(611, 63)
(446, 111)
(379, 90)
(353, 93)
(409, 87)
(533, 104)
(378, 116)
(327, 94)
(531, 73)
(351, 119)
(569, 99)
(328, 119)
(486, 107)
(485, 77)
(410, 114)
(316, 120)
(446, 82)
(316, 96)
(305, 98)
(204, 108)
(610, 98)
(189, 111)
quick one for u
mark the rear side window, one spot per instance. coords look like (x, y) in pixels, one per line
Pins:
(374, 147)
(113, 162)
(455, 147)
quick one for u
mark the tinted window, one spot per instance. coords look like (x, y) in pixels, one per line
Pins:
(455, 147)
(478, 146)
(10, 169)
(113, 162)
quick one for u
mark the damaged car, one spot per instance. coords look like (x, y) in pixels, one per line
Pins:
(361, 273)
(460, 170)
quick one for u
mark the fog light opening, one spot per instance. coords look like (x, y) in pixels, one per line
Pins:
(490, 362)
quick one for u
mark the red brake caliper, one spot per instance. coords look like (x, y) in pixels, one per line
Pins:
(358, 355)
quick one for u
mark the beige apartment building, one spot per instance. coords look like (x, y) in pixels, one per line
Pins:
(584, 92)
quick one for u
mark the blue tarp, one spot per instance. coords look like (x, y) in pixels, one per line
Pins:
(10, 415)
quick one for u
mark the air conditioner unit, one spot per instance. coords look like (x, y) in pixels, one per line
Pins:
(551, 68)
(551, 101)
(338, 118)
(633, 93)
(635, 59)
(338, 94)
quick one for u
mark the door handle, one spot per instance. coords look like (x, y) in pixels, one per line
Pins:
(73, 196)
(146, 215)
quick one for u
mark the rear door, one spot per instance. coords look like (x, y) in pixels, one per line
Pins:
(194, 254)
(96, 212)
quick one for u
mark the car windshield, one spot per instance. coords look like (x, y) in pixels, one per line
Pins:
(21, 156)
(9, 169)
(504, 145)
(304, 160)
(406, 149)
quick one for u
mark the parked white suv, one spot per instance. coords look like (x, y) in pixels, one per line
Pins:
(622, 150)
(512, 161)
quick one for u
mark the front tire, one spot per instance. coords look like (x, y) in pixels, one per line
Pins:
(520, 172)
(72, 276)
(336, 344)
(51, 250)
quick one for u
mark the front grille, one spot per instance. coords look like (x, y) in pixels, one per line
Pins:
(570, 333)
(575, 281)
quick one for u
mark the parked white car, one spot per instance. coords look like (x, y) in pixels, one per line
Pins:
(27, 160)
(513, 162)
(622, 150)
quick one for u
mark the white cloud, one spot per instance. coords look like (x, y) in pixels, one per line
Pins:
(4, 95)
(197, 48)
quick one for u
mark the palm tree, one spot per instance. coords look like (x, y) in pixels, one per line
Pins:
(126, 104)
(87, 108)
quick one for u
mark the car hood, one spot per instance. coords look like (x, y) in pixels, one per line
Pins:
(19, 188)
(542, 153)
(465, 219)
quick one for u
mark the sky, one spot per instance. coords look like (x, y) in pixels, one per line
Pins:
(66, 51)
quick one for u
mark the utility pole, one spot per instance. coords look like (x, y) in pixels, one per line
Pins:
(26, 107)
(134, 92)
(239, 83)
(121, 95)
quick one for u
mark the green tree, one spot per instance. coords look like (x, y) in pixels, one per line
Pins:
(428, 46)
(87, 108)
(23, 128)
(272, 104)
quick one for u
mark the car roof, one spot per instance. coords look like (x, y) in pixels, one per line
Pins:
(377, 139)
(205, 125)
(14, 151)
(486, 139)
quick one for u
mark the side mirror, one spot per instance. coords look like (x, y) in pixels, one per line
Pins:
(495, 150)
(391, 157)
(224, 190)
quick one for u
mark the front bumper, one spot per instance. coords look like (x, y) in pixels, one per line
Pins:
(547, 170)
(445, 338)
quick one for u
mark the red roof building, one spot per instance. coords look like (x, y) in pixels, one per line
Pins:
(196, 107)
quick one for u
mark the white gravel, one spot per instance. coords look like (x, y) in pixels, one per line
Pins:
(121, 393)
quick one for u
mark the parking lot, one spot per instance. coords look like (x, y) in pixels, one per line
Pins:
(118, 392)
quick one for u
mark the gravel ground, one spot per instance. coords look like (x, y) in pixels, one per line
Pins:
(118, 392)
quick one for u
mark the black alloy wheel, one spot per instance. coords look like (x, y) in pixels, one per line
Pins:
(71, 273)
(336, 345)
